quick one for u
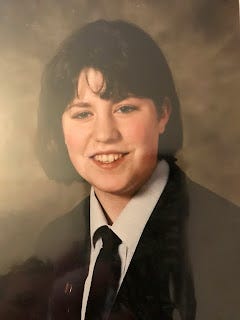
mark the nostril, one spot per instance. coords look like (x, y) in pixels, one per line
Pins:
(105, 133)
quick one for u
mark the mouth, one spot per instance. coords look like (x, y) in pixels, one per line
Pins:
(108, 158)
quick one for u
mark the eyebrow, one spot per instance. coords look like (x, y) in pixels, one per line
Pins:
(79, 104)
(82, 104)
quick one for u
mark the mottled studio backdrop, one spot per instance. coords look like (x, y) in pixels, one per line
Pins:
(201, 41)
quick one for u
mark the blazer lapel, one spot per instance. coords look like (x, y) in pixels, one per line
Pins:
(160, 256)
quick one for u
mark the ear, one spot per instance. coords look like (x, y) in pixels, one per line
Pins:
(164, 115)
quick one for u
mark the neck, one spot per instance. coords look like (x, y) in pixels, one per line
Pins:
(112, 204)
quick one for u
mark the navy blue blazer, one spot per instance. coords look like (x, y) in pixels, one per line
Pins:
(186, 265)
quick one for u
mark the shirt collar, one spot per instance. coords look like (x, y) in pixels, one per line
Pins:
(97, 217)
(136, 213)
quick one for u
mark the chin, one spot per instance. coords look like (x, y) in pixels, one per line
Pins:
(111, 187)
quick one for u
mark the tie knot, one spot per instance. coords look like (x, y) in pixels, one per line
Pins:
(109, 238)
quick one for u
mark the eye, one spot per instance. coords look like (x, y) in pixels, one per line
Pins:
(82, 115)
(126, 109)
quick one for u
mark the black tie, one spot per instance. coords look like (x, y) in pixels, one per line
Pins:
(106, 276)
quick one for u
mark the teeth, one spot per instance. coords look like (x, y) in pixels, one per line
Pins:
(107, 158)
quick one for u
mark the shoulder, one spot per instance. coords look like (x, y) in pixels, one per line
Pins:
(59, 235)
(203, 198)
(212, 218)
(211, 211)
(213, 225)
(214, 247)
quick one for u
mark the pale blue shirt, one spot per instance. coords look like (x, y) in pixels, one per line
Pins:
(128, 226)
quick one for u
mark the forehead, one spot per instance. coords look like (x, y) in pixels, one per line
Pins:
(94, 82)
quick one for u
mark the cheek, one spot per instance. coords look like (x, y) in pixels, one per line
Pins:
(73, 140)
(142, 134)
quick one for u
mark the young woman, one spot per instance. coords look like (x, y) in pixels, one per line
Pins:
(109, 114)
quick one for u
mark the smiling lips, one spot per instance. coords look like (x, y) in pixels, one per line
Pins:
(108, 158)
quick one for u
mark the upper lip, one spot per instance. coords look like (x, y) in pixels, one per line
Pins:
(107, 152)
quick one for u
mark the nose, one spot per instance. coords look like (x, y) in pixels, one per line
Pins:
(106, 129)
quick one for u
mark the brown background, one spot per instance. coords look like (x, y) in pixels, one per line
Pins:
(201, 42)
